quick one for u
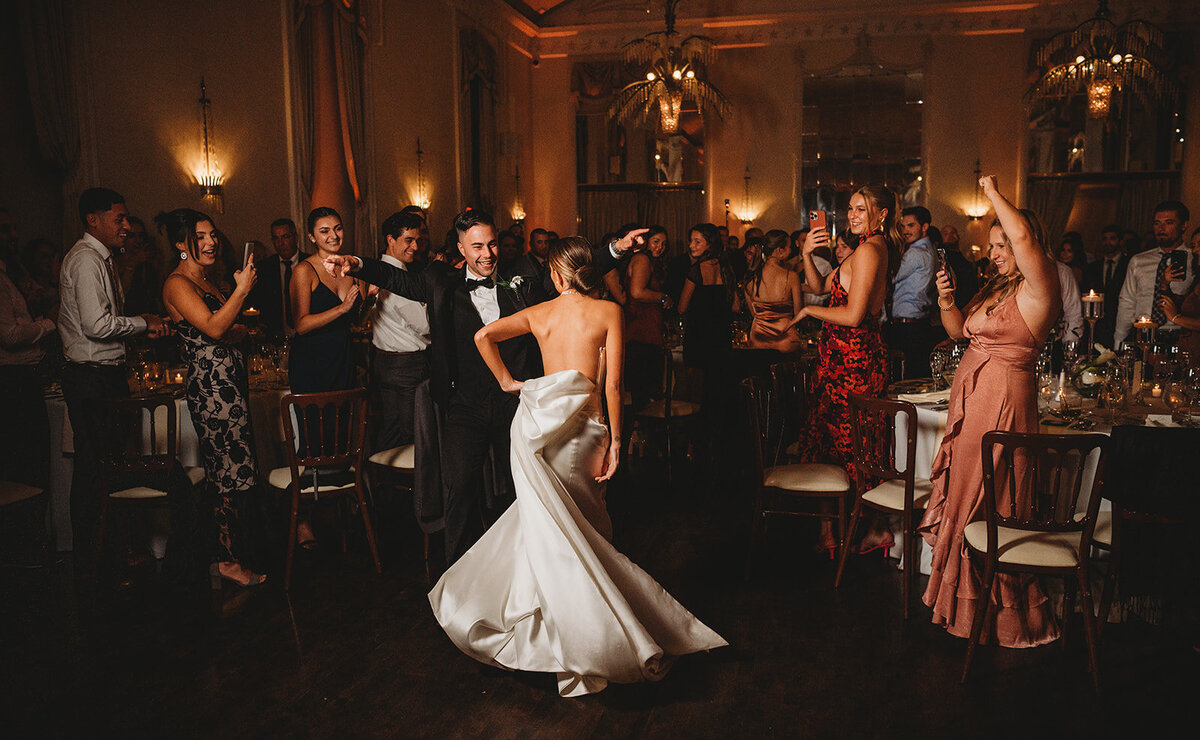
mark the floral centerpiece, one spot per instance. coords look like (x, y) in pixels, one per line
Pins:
(1088, 373)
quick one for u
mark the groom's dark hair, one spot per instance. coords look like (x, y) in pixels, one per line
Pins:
(470, 218)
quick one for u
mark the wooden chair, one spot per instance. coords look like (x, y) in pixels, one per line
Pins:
(666, 415)
(791, 382)
(402, 460)
(325, 433)
(873, 430)
(1052, 539)
(776, 486)
(137, 453)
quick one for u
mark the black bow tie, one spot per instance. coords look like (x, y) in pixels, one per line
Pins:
(485, 283)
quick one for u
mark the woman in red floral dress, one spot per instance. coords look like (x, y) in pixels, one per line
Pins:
(853, 357)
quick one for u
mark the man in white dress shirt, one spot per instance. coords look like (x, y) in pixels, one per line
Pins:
(1143, 278)
(1072, 305)
(400, 335)
(93, 330)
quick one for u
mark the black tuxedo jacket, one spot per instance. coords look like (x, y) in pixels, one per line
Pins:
(1093, 279)
(267, 295)
(455, 363)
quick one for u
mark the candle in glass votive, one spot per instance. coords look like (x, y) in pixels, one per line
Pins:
(250, 312)
(1093, 305)
(1156, 391)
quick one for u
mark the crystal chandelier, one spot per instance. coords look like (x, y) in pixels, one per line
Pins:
(674, 75)
(1099, 58)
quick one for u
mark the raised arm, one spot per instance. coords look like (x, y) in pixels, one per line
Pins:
(870, 265)
(614, 359)
(303, 280)
(488, 339)
(1041, 276)
(952, 317)
(813, 281)
(179, 295)
(411, 285)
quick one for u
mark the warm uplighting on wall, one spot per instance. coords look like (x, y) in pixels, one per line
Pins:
(976, 209)
(518, 209)
(422, 198)
(747, 214)
(208, 173)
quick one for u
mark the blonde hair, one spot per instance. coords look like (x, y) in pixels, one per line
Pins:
(878, 199)
(571, 258)
(1001, 287)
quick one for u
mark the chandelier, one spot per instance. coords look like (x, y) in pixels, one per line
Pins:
(1099, 58)
(674, 75)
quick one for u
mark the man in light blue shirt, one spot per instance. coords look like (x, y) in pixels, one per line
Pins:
(914, 293)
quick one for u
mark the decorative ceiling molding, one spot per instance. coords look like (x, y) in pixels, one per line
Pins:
(603, 27)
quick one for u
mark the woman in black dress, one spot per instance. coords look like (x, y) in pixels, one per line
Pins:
(217, 391)
(707, 301)
(323, 310)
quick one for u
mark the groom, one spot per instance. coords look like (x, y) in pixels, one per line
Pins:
(459, 302)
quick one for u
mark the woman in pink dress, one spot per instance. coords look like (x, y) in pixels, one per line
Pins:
(994, 388)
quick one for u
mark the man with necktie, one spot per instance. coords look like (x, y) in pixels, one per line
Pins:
(271, 294)
(1145, 282)
(93, 330)
(1105, 275)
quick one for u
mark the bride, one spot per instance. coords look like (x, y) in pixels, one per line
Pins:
(543, 589)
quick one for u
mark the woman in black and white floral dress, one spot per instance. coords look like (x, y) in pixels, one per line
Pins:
(217, 389)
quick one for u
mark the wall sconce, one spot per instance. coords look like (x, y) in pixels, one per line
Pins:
(746, 216)
(209, 176)
(518, 210)
(422, 197)
(977, 210)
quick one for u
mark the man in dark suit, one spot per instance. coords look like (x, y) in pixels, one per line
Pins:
(271, 295)
(477, 412)
(533, 263)
(1106, 275)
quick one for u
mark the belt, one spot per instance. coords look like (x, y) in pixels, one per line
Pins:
(403, 354)
(900, 320)
(122, 365)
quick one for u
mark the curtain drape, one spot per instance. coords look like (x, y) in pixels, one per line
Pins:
(46, 27)
(1052, 201)
(1135, 204)
(676, 209)
(349, 40)
(302, 81)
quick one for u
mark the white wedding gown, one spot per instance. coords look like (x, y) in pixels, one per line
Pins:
(543, 589)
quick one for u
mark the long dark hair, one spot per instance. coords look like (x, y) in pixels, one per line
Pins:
(712, 237)
(775, 239)
(179, 227)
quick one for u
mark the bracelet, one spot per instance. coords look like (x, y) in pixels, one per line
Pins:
(951, 307)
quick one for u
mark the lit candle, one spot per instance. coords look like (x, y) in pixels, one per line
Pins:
(250, 312)
(1156, 391)
(1093, 305)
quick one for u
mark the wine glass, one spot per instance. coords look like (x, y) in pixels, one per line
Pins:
(1113, 392)
(1178, 398)
(937, 362)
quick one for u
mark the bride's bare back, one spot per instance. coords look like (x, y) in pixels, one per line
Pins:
(571, 330)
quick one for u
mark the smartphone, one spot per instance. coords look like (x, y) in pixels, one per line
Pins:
(1177, 260)
(249, 251)
(816, 220)
(944, 265)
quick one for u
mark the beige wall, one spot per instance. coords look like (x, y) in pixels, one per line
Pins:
(552, 202)
(144, 71)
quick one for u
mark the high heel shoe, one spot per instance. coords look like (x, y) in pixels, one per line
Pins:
(887, 543)
(243, 577)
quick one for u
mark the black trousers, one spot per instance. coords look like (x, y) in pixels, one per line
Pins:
(474, 445)
(643, 372)
(84, 386)
(916, 341)
(25, 431)
(394, 381)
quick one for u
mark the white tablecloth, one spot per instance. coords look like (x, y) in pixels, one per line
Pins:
(268, 432)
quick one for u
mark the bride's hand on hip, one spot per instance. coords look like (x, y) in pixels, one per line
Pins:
(611, 461)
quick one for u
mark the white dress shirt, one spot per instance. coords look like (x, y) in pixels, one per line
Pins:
(484, 299)
(1071, 302)
(1137, 293)
(19, 332)
(824, 267)
(89, 321)
(398, 324)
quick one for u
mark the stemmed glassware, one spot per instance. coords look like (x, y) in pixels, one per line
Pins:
(937, 362)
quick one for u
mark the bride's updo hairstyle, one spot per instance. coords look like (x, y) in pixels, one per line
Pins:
(571, 258)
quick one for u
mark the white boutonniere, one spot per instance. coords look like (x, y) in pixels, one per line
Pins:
(514, 284)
